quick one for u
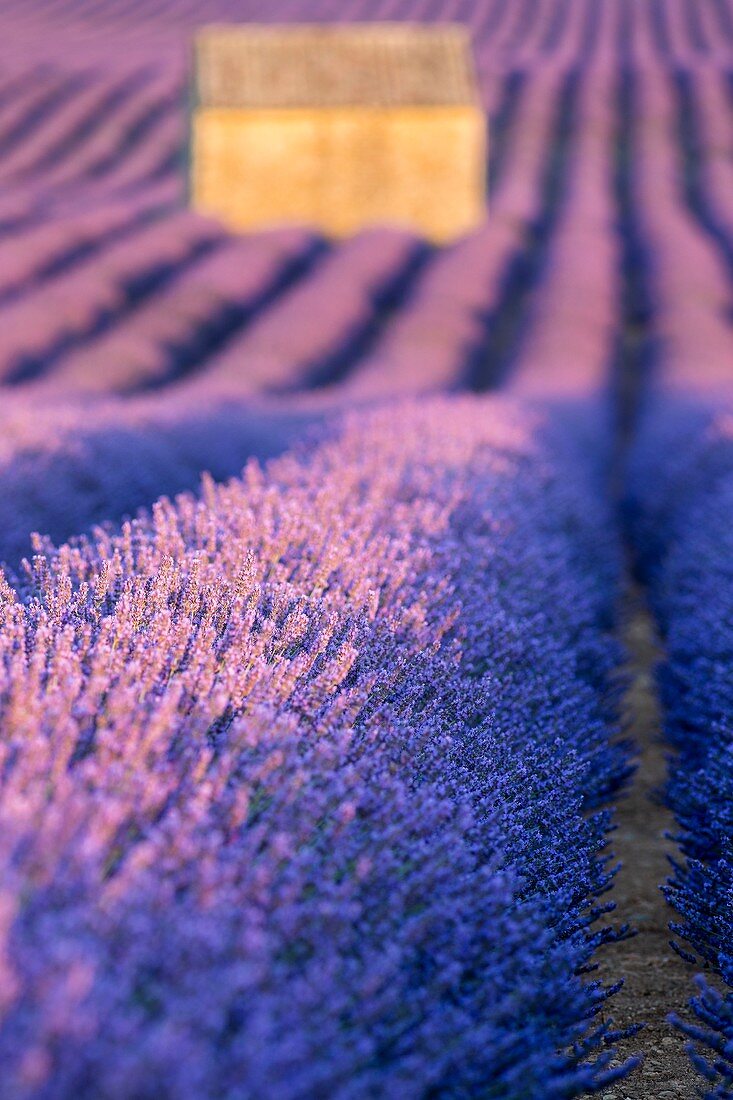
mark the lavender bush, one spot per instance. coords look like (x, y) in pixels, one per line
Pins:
(281, 811)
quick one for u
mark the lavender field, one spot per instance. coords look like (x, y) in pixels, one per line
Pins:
(313, 731)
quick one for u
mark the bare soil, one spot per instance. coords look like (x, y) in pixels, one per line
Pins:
(656, 980)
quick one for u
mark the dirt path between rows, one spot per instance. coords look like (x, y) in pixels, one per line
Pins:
(656, 980)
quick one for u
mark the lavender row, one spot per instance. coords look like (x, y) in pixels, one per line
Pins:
(567, 339)
(680, 493)
(281, 811)
(680, 507)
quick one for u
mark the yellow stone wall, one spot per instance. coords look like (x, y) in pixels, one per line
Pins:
(341, 168)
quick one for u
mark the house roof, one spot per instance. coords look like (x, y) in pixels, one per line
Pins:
(331, 65)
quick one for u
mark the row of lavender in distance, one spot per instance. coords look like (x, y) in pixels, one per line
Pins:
(305, 780)
(66, 304)
(169, 300)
